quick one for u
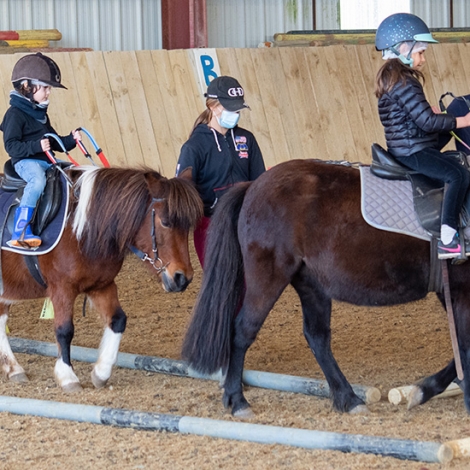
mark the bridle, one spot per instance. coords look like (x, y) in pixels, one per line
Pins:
(156, 262)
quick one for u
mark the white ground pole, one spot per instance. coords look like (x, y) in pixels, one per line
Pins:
(269, 380)
(309, 439)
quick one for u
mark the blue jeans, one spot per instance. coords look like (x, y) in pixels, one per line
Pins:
(434, 164)
(34, 173)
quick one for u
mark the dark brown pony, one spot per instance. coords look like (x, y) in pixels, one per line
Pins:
(300, 223)
(110, 211)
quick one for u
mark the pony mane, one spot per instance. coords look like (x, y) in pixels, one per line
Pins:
(113, 204)
(185, 207)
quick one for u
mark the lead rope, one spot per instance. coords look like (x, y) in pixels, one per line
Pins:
(451, 320)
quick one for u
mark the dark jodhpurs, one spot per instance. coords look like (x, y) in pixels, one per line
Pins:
(434, 164)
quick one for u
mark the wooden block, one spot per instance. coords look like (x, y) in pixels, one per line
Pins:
(400, 394)
(337, 37)
(460, 447)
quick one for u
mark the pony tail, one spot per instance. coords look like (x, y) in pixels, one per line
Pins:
(207, 343)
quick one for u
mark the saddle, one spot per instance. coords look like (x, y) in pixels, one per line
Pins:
(48, 219)
(48, 204)
(427, 192)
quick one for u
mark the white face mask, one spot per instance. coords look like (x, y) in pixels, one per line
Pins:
(228, 119)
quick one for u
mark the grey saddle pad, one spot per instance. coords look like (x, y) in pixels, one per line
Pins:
(388, 205)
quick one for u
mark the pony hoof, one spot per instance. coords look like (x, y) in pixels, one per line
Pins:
(97, 382)
(359, 409)
(72, 387)
(20, 378)
(244, 413)
(415, 397)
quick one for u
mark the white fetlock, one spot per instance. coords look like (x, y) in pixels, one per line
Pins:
(359, 409)
(97, 381)
(415, 397)
(107, 357)
(244, 413)
(10, 366)
(65, 377)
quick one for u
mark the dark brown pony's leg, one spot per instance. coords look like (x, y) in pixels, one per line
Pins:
(437, 383)
(106, 301)
(247, 324)
(432, 386)
(316, 309)
(461, 302)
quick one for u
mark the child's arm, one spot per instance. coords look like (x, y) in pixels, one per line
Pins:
(67, 140)
(14, 140)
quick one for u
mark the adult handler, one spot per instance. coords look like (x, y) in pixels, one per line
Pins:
(219, 153)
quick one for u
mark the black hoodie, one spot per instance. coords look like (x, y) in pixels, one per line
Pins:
(22, 132)
(218, 161)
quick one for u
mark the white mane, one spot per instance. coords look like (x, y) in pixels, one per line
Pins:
(84, 187)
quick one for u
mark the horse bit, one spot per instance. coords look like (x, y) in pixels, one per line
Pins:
(144, 256)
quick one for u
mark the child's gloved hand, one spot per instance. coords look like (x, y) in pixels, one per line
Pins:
(45, 144)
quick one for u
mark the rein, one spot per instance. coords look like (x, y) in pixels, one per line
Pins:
(156, 261)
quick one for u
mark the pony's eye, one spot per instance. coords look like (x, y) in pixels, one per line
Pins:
(165, 223)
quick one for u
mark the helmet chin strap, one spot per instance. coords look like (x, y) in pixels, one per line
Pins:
(408, 60)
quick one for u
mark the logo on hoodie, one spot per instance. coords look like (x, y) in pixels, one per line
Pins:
(241, 146)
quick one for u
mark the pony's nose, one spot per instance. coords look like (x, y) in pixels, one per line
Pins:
(178, 283)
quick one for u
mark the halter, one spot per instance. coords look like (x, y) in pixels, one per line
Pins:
(144, 256)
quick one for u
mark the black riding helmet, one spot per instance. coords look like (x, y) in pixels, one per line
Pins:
(37, 67)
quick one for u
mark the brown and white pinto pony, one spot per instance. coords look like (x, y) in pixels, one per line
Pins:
(110, 210)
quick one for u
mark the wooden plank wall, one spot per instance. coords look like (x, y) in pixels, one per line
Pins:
(306, 102)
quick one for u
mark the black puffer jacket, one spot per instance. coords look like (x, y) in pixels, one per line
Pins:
(409, 122)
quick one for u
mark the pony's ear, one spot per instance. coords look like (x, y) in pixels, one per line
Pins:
(187, 174)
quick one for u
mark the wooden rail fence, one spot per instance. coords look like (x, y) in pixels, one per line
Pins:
(306, 102)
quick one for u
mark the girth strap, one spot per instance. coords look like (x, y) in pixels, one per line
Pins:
(435, 272)
(33, 268)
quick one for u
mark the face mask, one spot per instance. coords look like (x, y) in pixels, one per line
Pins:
(228, 119)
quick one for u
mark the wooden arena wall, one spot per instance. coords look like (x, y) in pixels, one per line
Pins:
(306, 102)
